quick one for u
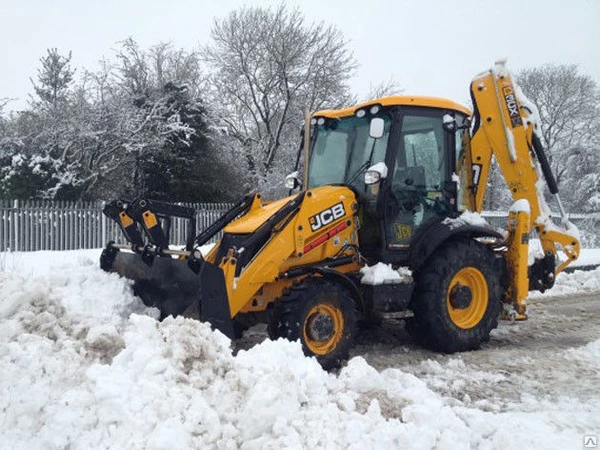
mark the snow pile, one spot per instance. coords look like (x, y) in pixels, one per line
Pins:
(589, 353)
(47, 262)
(466, 218)
(587, 256)
(85, 365)
(138, 383)
(571, 283)
(382, 273)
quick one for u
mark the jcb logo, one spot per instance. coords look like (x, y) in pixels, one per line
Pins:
(403, 232)
(326, 216)
(513, 107)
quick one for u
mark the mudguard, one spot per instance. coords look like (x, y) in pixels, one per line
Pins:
(431, 235)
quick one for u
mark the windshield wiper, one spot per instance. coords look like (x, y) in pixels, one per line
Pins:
(356, 174)
(364, 166)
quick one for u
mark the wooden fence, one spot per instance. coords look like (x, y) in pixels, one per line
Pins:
(54, 225)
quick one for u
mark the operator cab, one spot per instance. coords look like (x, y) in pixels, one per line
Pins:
(398, 154)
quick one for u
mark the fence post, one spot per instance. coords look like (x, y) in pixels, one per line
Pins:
(16, 224)
(103, 225)
(3, 228)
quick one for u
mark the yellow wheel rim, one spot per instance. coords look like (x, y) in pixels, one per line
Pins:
(323, 328)
(469, 312)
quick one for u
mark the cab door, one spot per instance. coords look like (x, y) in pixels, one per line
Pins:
(419, 187)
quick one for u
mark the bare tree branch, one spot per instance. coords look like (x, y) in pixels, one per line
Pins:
(265, 65)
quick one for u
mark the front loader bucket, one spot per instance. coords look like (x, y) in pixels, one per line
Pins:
(161, 280)
(168, 284)
(172, 286)
(214, 303)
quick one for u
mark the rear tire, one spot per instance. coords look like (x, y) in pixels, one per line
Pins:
(457, 297)
(322, 315)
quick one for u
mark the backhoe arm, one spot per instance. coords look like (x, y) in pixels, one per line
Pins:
(504, 125)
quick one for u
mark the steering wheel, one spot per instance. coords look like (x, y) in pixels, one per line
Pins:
(407, 200)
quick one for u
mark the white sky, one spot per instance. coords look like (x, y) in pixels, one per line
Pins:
(431, 47)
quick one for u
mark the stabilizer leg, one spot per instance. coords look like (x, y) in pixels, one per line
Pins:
(517, 261)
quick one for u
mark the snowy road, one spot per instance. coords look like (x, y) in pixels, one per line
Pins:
(531, 358)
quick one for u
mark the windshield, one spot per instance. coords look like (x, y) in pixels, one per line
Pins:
(342, 148)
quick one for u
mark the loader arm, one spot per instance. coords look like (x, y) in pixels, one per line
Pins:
(504, 126)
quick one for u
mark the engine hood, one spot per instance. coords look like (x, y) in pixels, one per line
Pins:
(320, 199)
(249, 222)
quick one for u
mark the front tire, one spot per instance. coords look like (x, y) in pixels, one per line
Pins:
(322, 315)
(457, 298)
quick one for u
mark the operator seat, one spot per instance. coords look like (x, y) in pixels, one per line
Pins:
(408, 186)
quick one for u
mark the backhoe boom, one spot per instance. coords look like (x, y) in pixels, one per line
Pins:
(504, 125)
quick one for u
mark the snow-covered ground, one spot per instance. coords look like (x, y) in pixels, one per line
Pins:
(83, 364)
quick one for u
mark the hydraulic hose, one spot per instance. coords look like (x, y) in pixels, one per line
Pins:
(545, 165)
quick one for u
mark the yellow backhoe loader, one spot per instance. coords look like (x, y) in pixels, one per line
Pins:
(396, 180)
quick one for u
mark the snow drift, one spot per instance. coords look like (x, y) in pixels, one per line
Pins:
(83, 364)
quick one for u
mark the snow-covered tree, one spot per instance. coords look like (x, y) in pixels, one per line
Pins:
(135, 127)
(171, 155)
(384, 88)
(266, 65)
(33, 145)
(54, 79)
(569, 106)
(582, 178)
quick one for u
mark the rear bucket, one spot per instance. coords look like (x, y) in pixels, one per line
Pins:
(172, 286)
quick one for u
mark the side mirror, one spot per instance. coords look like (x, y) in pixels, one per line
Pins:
(376, 127)
(449, 122)
(376, 173)
(292, 181)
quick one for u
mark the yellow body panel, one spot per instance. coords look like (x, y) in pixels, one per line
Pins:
(300, 241)
(250, 222)
(267, 294)
(400, 100)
